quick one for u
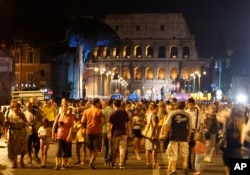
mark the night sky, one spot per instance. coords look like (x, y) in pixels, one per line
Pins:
(207, 19)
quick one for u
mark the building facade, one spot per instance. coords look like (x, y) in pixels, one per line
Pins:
(157, 57)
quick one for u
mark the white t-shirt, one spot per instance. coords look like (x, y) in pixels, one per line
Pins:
(46, 133)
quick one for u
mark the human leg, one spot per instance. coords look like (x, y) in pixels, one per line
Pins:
(210, 146)
(45, 154)
(36, 145)
(83, 154)
(155, 159)
(78, 149)
(29, 148)
(137, 142)
(172, 152)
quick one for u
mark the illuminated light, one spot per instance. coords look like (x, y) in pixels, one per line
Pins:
(219, 94)
(241, 98)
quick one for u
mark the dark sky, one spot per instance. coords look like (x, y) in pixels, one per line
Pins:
(207, 19)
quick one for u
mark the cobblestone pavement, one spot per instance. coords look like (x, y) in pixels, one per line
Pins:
(134, 166)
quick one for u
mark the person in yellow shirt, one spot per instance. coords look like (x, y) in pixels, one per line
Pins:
(50, 112)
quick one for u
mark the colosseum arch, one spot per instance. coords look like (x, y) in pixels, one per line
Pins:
(162, 52)
(161, 74)
(126, 73)
(106, 52)
(126, 51)
(137, 51)
(149, 73)
(149, 51)
(186, 52)
(173, 73)
(116, 52)
(137, 73)
(174, 52)
(97, 52)
(185, 73)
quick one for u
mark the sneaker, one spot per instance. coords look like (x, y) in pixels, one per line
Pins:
(121, 166)
(113, 165)
(92, 166)
(63, 167)
(172, 172)
(156, 166)
(57, 167)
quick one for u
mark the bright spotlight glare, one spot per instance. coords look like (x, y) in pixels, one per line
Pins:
(242, 98)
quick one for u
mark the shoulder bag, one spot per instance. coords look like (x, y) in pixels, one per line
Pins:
(150, 132)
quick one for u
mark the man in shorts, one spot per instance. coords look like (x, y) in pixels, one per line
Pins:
(118, 131)
(179, 124)
(93, 120)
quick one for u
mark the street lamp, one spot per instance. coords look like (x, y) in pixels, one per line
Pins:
(102, 70)
(199, 76)
(193, 75)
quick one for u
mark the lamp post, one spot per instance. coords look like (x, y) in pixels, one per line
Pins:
(102, 70)
(193, 75)
(95, 70)
(220, 70)
(108, 82)
(199, 78)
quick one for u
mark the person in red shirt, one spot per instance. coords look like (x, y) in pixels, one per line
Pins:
(92, 120)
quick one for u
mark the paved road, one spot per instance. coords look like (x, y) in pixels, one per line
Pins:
(135, 167)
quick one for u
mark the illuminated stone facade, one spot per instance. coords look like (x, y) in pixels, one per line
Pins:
(157, 50)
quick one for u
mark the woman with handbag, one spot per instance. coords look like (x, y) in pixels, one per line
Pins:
(138, 118)
(152, 143)
(234, 133)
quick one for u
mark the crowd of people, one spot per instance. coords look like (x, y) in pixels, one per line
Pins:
(184, 130)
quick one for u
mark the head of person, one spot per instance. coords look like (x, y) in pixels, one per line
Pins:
(138, 107)
(237, 114)
(97, 103)
(45, 122)
(211, 109)
(16, 107)
(174, 101)
(110, 102)
(162, 108)
(154, 108)
(180, 105)
(191, 103)
(65, 108)
(117, 103)
(29, 106)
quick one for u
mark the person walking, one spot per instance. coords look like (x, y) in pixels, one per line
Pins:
(105, 141)
(138, 118)
(62, 133)
(34, 118)
(80, 138)
(152, 145)
(197, 119)
(44, 133)
(118, 132)
(178, 126)
(199, 150)
(235, 127)
(93, 120)
(16, 134)
(211, 128)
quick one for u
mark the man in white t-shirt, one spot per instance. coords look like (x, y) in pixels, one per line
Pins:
(197, 123)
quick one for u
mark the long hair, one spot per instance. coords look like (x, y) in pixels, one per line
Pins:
(236, 121)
